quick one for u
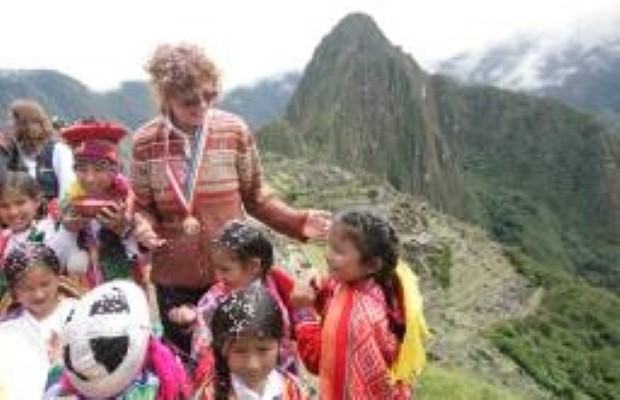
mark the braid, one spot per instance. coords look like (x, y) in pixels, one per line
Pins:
(376, 238)
(222, 376)
(396, 323)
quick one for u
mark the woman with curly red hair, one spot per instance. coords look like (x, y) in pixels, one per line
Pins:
(194, 168)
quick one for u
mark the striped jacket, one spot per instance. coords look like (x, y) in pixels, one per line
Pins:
(229, 185)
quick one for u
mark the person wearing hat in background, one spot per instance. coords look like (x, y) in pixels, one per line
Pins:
(33, 147)
(97, 213)
(194, 168)
(109, 351)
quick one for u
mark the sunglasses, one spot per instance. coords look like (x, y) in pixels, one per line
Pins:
(205, 97)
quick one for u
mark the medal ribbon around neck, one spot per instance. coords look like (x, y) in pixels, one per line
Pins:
(185, 195)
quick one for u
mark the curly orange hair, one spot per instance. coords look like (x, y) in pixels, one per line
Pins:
(181, 68)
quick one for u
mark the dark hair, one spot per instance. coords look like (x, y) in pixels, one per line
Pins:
(246, 242)
(251, 311)
(22, 183)
(376, 239)
(27, 255)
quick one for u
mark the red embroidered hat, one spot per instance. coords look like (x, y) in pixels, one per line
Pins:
(94, 139)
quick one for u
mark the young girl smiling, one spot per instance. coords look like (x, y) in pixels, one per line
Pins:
(242, 257)
(369, 342)
(28, 340)
(247, 329)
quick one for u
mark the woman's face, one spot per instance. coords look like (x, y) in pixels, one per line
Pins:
(30, 134)
(187, 109)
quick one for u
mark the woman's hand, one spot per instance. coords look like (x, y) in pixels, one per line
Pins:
(317, 224)
(145, 234)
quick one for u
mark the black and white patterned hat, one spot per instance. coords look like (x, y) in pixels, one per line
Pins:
(105, 339)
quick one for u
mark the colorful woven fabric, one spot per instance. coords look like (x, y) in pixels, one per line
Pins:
(355, 345)
(228, 184)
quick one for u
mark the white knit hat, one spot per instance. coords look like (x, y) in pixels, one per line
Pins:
(105, 339)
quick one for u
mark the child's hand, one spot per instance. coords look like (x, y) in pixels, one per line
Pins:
(74, 222)
(114, 217)
(54, 349)
(182, 315)
(303, 295)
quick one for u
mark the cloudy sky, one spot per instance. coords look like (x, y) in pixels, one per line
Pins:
(104, 42)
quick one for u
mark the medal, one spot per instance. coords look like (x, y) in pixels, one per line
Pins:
(191, 225)
(185, 194)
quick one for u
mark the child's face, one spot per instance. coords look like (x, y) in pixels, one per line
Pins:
(37, 291)
(230, 270)
(343, 257)
(252, 359)
(17, 210)
(95, 176)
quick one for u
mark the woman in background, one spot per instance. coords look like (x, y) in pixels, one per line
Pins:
(33, 147)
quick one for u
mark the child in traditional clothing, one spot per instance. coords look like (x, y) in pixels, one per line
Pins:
(369, 342)
(21, 212)
(28, 340)
(109, 351)
(98, 211)
(247, 329)
(242, 256)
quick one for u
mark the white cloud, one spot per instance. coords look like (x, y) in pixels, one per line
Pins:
(104, 42)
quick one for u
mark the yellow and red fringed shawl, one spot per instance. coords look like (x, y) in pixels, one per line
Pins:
(360, 357)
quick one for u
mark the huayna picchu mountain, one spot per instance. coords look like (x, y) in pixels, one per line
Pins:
(537, 174)
(360, 103)
(542, 178)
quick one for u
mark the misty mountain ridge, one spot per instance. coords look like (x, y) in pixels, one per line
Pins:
(262, 101)
(132, 103)
(541, 177)
(578, 64)
(63, 96)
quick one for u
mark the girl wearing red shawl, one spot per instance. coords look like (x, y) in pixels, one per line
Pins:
(368, 343)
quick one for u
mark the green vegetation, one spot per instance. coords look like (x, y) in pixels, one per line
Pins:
(521, 221)
(571, 345)
(441, 383)
(440, 261)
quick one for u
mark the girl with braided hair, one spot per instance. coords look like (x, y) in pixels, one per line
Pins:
(368, 343)
(247, 328)
(22, 212)
(28, 341)
(242, 256)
